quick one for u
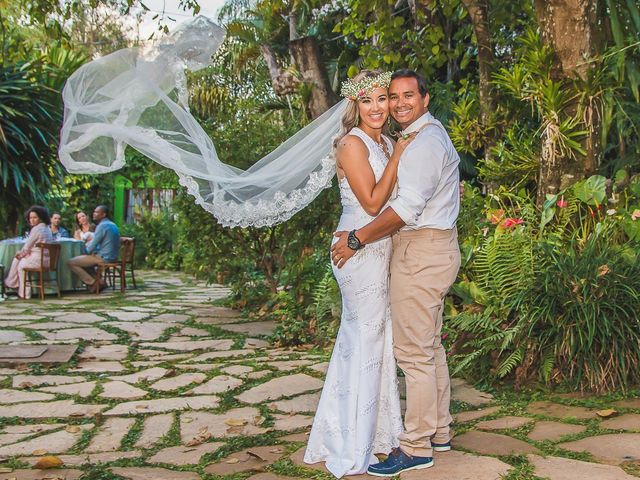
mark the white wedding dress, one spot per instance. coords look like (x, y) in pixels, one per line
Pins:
(359, 410)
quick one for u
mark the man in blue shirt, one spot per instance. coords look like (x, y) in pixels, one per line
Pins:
(105, 247)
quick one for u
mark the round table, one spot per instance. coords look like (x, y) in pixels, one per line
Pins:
(69, 248)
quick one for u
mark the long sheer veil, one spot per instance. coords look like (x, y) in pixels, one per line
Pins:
(138, 97)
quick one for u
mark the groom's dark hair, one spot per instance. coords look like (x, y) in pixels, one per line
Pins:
(408, 73)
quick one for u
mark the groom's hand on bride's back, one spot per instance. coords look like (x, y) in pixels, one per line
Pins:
(340, 251)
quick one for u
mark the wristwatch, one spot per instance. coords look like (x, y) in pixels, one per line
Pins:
(353, 242)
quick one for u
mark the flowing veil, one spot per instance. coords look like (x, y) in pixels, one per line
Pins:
(138, 97)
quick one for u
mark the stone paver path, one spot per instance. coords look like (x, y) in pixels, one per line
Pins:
(165, 385)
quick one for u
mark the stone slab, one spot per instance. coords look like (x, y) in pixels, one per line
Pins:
(633, 403)
(171, 318)
(105, 352)
(88, 333)
(461, 466)
(21, 351)
(127, 316)
(26, 381)
(628, 421)
(144, 331)
(237, 370)
(179, 381)
(150, 473)
(20, 396)
(58, 474)
(162, 405)
(556, 468)
(10, 336)
(217, 384)
(613, 449)
(504, 423)
(81, 317)
(291, 422)
(192, 345)
(98, 366)
(298, 459)
(492, 444)
(51, 443)
(265, 328)
(471, 415)
(148, 375)
(551, 409)
(238, 422)
(154, 428)
(553, 431)
(83, 389)
(182, 455)
(87, 458)
(121, 390)
(281, 387)
(251, 459)
(225, 354)
(57, 409)
(301, 403)
(110, 435)
(462, 392)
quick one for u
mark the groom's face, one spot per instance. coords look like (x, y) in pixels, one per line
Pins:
(405, 102)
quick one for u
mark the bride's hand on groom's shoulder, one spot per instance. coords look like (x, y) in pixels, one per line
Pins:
(340, 251)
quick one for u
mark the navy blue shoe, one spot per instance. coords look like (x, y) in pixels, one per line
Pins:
(397, 462)
(441, 447)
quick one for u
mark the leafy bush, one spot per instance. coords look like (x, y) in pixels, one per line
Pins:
(552, 295)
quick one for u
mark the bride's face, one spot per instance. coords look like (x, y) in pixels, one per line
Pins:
(374, 108)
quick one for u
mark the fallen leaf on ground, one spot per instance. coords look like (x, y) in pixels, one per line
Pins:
(232, 460)
(49, 461)
(235, 422)
(606, 413)
(203, 435)
(39, 452)
(72, 428)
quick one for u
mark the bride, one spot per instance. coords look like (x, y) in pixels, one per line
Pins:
(137, 97)
(359, 410)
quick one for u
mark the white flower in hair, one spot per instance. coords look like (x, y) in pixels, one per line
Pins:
(362, 88)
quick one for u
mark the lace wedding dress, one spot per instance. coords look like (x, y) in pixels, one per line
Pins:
(359, 410)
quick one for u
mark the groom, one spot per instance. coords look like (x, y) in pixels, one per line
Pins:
(424, 265)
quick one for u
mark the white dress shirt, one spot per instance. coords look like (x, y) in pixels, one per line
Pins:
(428, 178)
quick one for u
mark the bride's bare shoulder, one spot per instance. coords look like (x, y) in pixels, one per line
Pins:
(351, 144)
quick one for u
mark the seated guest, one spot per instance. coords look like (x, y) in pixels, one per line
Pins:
(58, 230)
(104, 247)
(85, 228)
(29, 256)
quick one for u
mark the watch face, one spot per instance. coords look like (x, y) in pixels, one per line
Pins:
(352, 241)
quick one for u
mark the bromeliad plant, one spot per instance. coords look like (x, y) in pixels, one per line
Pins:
(552, 295)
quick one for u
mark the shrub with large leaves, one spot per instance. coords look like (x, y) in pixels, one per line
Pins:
(29, 119)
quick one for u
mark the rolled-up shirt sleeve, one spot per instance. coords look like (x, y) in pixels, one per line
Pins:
(418, 177)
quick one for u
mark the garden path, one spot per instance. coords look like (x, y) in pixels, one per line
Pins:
(167, 386)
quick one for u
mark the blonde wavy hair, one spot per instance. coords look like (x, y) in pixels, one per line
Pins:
(351, 117)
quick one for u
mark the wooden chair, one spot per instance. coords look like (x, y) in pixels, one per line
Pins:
(47, 250)
(110, 271)
(2, 291)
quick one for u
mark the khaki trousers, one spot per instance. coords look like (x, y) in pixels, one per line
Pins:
(424, 265)
(79, 264)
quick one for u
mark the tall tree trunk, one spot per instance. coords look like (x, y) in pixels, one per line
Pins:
(479, 15)
(283, 82)
(306, 56)
(572, 30)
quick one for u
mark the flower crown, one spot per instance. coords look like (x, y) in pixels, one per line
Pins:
(356, 90)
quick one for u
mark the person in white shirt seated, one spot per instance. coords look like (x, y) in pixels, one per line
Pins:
(58, 230)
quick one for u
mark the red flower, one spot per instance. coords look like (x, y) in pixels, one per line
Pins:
(512, 222)
(562, 203)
